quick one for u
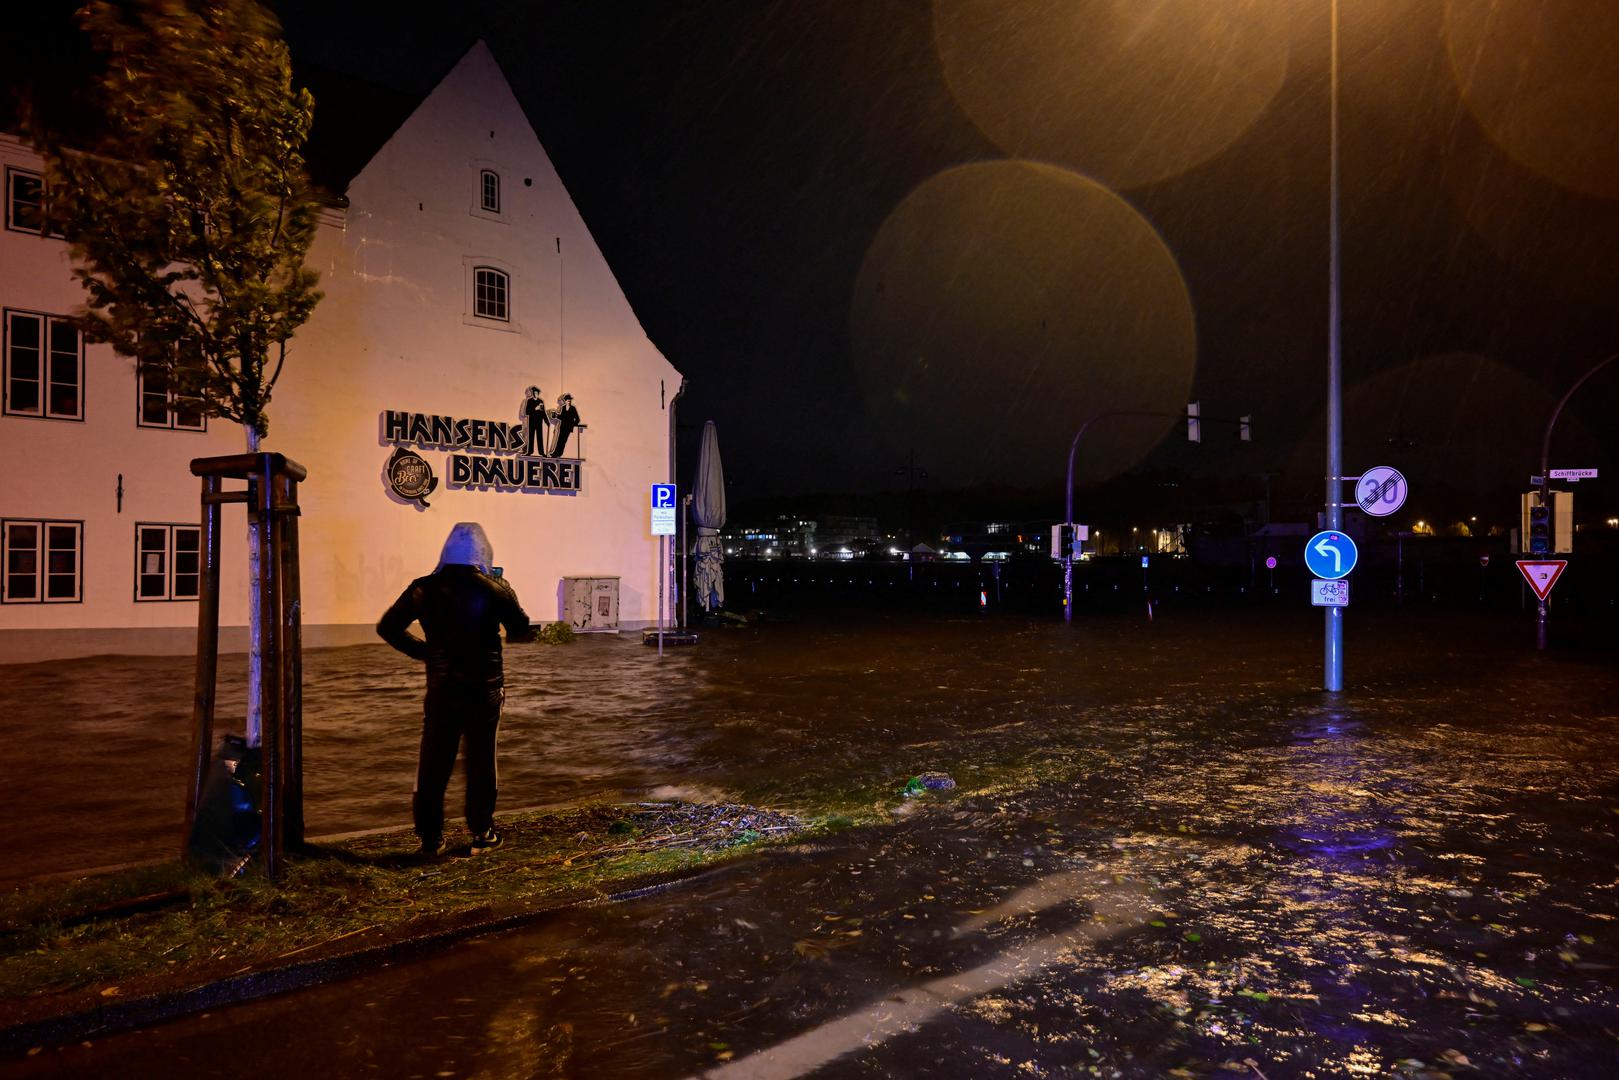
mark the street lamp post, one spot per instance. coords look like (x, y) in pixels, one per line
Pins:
(1542, 613)
(1243, 425)
(1333, 652)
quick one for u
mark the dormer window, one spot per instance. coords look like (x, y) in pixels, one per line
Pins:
(489, 191)
(490, 289)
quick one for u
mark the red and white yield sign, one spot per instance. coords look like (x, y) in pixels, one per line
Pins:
(1542, 574)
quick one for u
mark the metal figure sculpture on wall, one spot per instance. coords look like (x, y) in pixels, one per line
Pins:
(536, 422)
(565, 420)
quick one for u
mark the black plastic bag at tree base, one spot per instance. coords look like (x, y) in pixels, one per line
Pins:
(226, 831)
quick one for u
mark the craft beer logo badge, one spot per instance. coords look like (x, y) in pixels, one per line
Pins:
(487, 455)
(410, 475)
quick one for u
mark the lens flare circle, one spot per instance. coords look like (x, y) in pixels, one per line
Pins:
(1128, 91)
(1542, 80)
(1003, 303)
(1457, 421)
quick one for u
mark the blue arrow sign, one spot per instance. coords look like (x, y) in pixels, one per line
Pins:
(1330, 555)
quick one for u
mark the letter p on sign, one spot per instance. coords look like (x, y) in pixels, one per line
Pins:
(663, 509)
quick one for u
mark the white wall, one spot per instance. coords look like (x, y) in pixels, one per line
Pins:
(393, 332)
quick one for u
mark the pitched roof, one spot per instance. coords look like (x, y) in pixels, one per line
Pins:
(353, 119)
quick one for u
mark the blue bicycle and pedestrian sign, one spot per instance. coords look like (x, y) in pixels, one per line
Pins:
(1330, 555)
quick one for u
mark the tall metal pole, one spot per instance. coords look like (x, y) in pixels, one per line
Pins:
(1068, 516)
(1542, 615)
(1333, 653)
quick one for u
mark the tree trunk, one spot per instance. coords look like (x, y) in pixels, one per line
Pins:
(255, 621)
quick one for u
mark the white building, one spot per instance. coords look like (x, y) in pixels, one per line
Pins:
(459, 274)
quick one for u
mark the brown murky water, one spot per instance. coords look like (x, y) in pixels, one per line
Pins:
(1246, 880)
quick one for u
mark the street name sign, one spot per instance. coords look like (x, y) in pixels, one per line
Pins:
(1330, 555)
(1329, 593)
(1542, 574)
(1573, 474)
(1380, 491)
(663, 509)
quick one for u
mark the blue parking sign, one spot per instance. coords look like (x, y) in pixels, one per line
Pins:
(663, 509)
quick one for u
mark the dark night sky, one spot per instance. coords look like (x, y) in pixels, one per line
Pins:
(818, 211)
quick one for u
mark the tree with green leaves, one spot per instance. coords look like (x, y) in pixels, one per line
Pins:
(187, 208)
(186, 203)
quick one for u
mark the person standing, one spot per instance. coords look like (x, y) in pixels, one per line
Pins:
(567, 421)
(536, 425)
(461, 607)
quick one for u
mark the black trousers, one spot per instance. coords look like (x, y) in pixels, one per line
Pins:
(450, 716)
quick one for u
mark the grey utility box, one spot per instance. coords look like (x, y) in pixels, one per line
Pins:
(590, 604)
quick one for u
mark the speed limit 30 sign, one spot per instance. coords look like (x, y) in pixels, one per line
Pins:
(1380, 491)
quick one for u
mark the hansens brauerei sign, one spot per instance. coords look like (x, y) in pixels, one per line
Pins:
(486, 454)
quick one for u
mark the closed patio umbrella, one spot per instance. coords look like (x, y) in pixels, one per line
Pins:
(708, 511)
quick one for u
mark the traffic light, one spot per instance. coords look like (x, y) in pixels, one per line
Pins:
(1548, 528)
(1540, 529)
(1537, 525)
(1062, 541)
(1194, 425)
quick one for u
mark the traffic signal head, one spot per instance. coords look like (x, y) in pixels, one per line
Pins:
(1062, 541)
(1540, 528)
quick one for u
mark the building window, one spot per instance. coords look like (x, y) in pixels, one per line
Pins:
(168, 561)
(162, 406)
(489, 190)
(44, 367)
(25, 203)
(41, 561)
(489, 293)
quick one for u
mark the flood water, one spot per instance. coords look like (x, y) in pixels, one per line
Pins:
(1234, 876)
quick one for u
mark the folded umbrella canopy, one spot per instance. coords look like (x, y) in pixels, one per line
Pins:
(708, 511)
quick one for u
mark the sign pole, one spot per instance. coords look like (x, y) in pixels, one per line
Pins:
(1541, 575)
(1333, 647)
(665, 509)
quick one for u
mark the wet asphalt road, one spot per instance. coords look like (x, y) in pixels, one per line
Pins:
(1221, 873)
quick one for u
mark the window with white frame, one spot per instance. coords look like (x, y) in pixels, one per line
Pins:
(161, 405)
(168, 561)
(490, 293)
(44, 365)
(41, 561)
(489, 190)
(25, 203)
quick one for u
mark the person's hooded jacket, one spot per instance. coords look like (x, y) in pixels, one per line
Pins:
(461, 607)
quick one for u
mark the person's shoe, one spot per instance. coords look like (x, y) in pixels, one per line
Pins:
(431, 849)
(487, 841)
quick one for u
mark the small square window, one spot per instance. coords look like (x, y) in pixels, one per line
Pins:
(160, 404)
(168, 561)
(41, 562)
(489, 299)
(44, 367)
(25, 203)
(489, 190)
